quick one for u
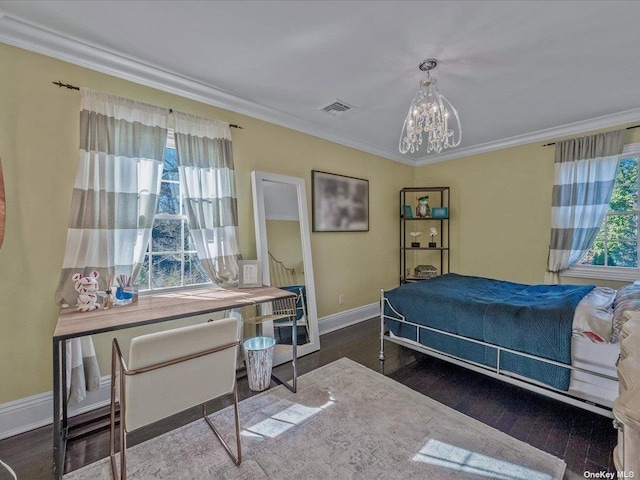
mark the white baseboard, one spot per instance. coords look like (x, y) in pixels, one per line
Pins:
(343, 319)
(24, 414)
(36, 411)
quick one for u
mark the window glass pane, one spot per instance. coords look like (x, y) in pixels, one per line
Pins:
(169, 200)
(188, 242)
(193, 272)
(143, 276)
(620, 227)
(623, 254)
(596, 255)
(166, 236)
(625, 192)
(171, 260)
(617, 242)
(170, 171)
(166, 271)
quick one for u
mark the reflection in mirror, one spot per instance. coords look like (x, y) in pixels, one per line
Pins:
(284, 248)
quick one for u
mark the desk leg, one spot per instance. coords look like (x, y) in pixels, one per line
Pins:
(293, 386)
(59, 407)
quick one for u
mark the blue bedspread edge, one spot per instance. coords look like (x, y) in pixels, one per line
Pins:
(534, 319)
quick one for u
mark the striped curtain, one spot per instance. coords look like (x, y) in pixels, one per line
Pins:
(585, 173)
(113, 203)
(207, 177)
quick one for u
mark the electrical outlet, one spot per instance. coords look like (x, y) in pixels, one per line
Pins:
(340, 299)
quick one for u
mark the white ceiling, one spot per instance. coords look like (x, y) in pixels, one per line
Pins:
(517, 71)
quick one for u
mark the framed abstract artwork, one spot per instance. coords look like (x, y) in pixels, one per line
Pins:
(339, 203)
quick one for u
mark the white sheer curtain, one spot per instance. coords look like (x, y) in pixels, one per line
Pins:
(585, 173)
(112, 208)
(207, 177)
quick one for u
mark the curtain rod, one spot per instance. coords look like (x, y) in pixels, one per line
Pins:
(553, 143)
(72, 87)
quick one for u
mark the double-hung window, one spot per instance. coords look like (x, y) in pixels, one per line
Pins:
(171, 259)
(614, 254)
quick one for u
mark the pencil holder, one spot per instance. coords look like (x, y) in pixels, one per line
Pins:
(126, 295)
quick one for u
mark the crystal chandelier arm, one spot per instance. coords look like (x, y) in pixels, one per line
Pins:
(452, 109)
(432, 113)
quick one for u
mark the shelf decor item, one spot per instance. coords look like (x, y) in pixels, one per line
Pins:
(406, 212)
(426, 271)
(433, 233)
(415, 236)
(423, 210)
(440, 212)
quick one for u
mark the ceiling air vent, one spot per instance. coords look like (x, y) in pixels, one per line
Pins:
(337, 107)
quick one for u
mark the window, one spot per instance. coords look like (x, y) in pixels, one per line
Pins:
(614, 254)
(171, 259)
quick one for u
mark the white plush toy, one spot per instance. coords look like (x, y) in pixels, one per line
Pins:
(87, 288)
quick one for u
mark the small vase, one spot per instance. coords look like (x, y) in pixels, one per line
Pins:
(108, 300)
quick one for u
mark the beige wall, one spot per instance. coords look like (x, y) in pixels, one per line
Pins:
(501, 211)
(500, 206)
(38, 147)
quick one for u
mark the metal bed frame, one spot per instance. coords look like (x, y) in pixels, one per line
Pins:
(495, 372)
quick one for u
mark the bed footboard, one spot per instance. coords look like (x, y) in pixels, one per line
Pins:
(389, 313)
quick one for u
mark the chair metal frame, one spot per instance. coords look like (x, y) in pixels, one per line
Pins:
(117, 359)
(283, 323)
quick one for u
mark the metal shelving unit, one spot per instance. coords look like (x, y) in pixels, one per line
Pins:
(437, 256)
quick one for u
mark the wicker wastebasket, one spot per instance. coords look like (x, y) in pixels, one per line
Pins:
(258, 358)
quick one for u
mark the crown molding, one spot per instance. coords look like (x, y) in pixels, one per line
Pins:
(20, 33)
(28, 36)
(549, 134)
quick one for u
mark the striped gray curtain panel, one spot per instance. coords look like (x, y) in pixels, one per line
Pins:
(113, 202)
(116, 189)
(207, 176)
(585, 172)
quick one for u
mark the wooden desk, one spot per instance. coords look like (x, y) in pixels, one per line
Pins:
(147, 310)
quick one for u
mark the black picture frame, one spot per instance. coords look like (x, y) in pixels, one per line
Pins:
(339, 203)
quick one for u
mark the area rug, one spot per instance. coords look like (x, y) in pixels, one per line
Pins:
(346, 422)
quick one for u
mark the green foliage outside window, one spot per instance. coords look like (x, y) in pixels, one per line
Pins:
(616, 244)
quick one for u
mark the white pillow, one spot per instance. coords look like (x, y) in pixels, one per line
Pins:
(593, 317)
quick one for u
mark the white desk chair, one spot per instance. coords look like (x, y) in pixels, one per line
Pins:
(172, 371)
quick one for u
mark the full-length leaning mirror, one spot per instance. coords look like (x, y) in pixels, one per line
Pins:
(284, 248)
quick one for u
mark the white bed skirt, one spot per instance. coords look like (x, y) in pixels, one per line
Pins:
(600, 358)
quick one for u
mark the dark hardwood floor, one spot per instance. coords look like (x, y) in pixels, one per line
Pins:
(584, 440)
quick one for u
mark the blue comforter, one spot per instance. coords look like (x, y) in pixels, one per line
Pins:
(535, 319)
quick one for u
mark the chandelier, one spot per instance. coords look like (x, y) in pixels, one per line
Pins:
(430, 115)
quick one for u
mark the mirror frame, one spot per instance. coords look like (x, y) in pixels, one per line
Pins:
(262, 248)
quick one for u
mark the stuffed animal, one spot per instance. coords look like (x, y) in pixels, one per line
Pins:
(87, 288)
